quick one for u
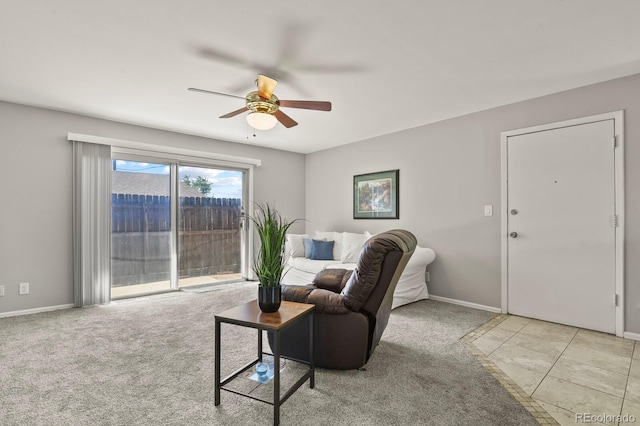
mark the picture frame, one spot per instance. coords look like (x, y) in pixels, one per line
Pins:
(376, 195)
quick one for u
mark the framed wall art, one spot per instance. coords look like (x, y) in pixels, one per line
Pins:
(376, 196)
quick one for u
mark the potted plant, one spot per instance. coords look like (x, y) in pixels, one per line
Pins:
(268, 264)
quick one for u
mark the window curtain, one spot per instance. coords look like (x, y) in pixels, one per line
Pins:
(91, 223)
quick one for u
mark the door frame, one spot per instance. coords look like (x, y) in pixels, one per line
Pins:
(618, 146)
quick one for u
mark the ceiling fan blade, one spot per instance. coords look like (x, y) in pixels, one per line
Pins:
(234, 113)
(266, 86)
(315, 105)
(193, 89)
(285, 119)
(229, 58)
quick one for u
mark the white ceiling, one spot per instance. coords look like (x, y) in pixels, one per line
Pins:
(385, 66)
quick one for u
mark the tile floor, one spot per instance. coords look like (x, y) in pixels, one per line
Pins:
(569, 372)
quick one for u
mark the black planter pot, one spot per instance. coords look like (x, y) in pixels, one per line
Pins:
(269, 298)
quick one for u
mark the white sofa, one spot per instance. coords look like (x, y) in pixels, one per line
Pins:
(301, 270)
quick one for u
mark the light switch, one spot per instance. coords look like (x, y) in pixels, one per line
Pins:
(488, 210)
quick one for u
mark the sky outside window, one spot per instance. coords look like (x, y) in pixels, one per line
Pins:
(224, 183)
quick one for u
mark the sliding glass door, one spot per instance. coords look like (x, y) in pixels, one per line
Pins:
(209, 232)
(174, 225)
(140, 228)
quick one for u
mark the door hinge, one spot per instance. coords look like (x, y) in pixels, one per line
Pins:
(614, 220)
(615, 299)
(615, 141)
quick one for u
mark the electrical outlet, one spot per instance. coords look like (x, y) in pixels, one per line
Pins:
(1, 290)
(24, 288)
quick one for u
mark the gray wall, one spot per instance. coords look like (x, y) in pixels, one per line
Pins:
(450, 169)
(35, 182)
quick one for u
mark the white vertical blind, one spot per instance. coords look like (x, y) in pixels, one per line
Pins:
(91, 223)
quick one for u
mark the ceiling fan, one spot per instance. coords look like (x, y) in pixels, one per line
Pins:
(264, 106)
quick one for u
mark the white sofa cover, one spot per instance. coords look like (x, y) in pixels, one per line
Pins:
(300, 270)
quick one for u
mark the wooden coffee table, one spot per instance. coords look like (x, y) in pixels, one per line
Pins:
(249, 315)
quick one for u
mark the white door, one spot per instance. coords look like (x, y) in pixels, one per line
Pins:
(561, 254)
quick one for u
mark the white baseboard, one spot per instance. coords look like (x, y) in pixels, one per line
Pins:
(35, 310)
(632, 336)
(464, 303)
(626, 334)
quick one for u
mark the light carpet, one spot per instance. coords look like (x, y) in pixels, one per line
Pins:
(149, 361)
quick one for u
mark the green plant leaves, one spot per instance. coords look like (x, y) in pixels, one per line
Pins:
(272, 230)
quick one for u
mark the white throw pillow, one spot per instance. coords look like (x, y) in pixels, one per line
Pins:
(294, 245)
(326, 236)
(351, 245)
(337, 245)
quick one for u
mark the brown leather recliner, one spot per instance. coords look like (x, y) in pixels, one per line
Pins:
(352, 307)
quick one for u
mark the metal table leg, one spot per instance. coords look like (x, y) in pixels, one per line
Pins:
(217, 364)
(276, 378)
(312, 365)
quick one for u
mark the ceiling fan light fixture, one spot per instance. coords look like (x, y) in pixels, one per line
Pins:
(264, 106)
(261, 120)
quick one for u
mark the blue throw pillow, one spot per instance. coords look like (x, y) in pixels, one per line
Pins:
(321, 250)
(307, 247)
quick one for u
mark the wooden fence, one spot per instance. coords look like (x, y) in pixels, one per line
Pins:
(208, 237)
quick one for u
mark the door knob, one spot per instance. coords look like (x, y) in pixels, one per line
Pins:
(514, 212)
(513, 234)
